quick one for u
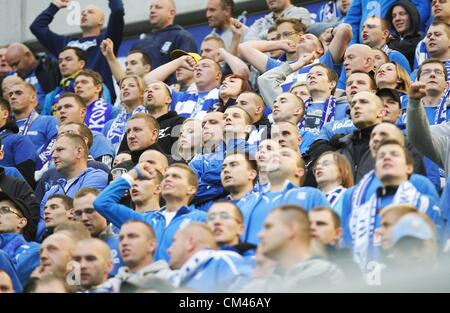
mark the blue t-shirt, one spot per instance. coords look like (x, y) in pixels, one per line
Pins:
(41, 131)
(17, 149)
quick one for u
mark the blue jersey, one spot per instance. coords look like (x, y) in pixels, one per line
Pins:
(255, 207)
(213, 271)
(41, 130)
(54, 43)
(17, 149)
(193, 105)
(107, 204)
(101, 147)
(90, 177)
(444, 204)
(23, 254)
(7, 266)
(113, 243)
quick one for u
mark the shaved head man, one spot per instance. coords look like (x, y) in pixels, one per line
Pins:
(358, 57)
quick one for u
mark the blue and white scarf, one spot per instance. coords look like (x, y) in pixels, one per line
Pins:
(328, 112)
(116, 132)
(97, 114)
(441, 112)
(45, 155)
(334, 195)
(362, 219)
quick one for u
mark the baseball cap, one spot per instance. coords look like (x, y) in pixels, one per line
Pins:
(394, 94)
(175, 54)
(411, 225)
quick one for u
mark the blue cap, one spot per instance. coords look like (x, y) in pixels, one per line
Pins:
(412, 225)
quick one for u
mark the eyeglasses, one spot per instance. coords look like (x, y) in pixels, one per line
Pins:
(6, 210)
(286, 34)
(222, 216)
(85, 211)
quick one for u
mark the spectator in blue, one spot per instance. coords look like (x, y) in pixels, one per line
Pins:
(207, 77)
(289, 31)
(333, 175)
(9, 282)
(360, 10)
(48, 175)
(362, 222)
(227, 224)
(375, 33)
(384, 131)
(440, 12)
(91, 23)
(309, 52)
(437, 43)
(89, 86)
(98, 226)
(433, 73)
(137, 247)
(165, 36)
(285, 170)
(15, 219)
(70, 154)
(405, 33)
(286, 239)
(200, 266)
(71, 61)
(40, 129)
(157, 100)
(16, 150)
(333, 11)
(71, 109)
(238, 175)
(178, 187)
(42, 73)
(132, 89)
(57, 210)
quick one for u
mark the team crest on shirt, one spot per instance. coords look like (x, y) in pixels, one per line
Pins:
(301, 196)
(166, 47)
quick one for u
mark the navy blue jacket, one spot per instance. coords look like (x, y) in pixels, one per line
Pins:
(54, 43)
(159, 44)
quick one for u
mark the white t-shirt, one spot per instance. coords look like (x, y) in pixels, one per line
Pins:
(168, 216)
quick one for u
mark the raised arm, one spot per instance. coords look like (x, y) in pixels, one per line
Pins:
(116, 23)
(107, 202)
(342, 35)
(418, 128)
(107, 49)
(237, 65)
(237, 28)
(53, 42)
(253, 51)
(269, 83)
(162, 72)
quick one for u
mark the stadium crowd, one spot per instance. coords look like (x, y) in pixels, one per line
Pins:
(293, 154)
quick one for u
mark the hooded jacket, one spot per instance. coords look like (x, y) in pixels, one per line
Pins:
(407, 43)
